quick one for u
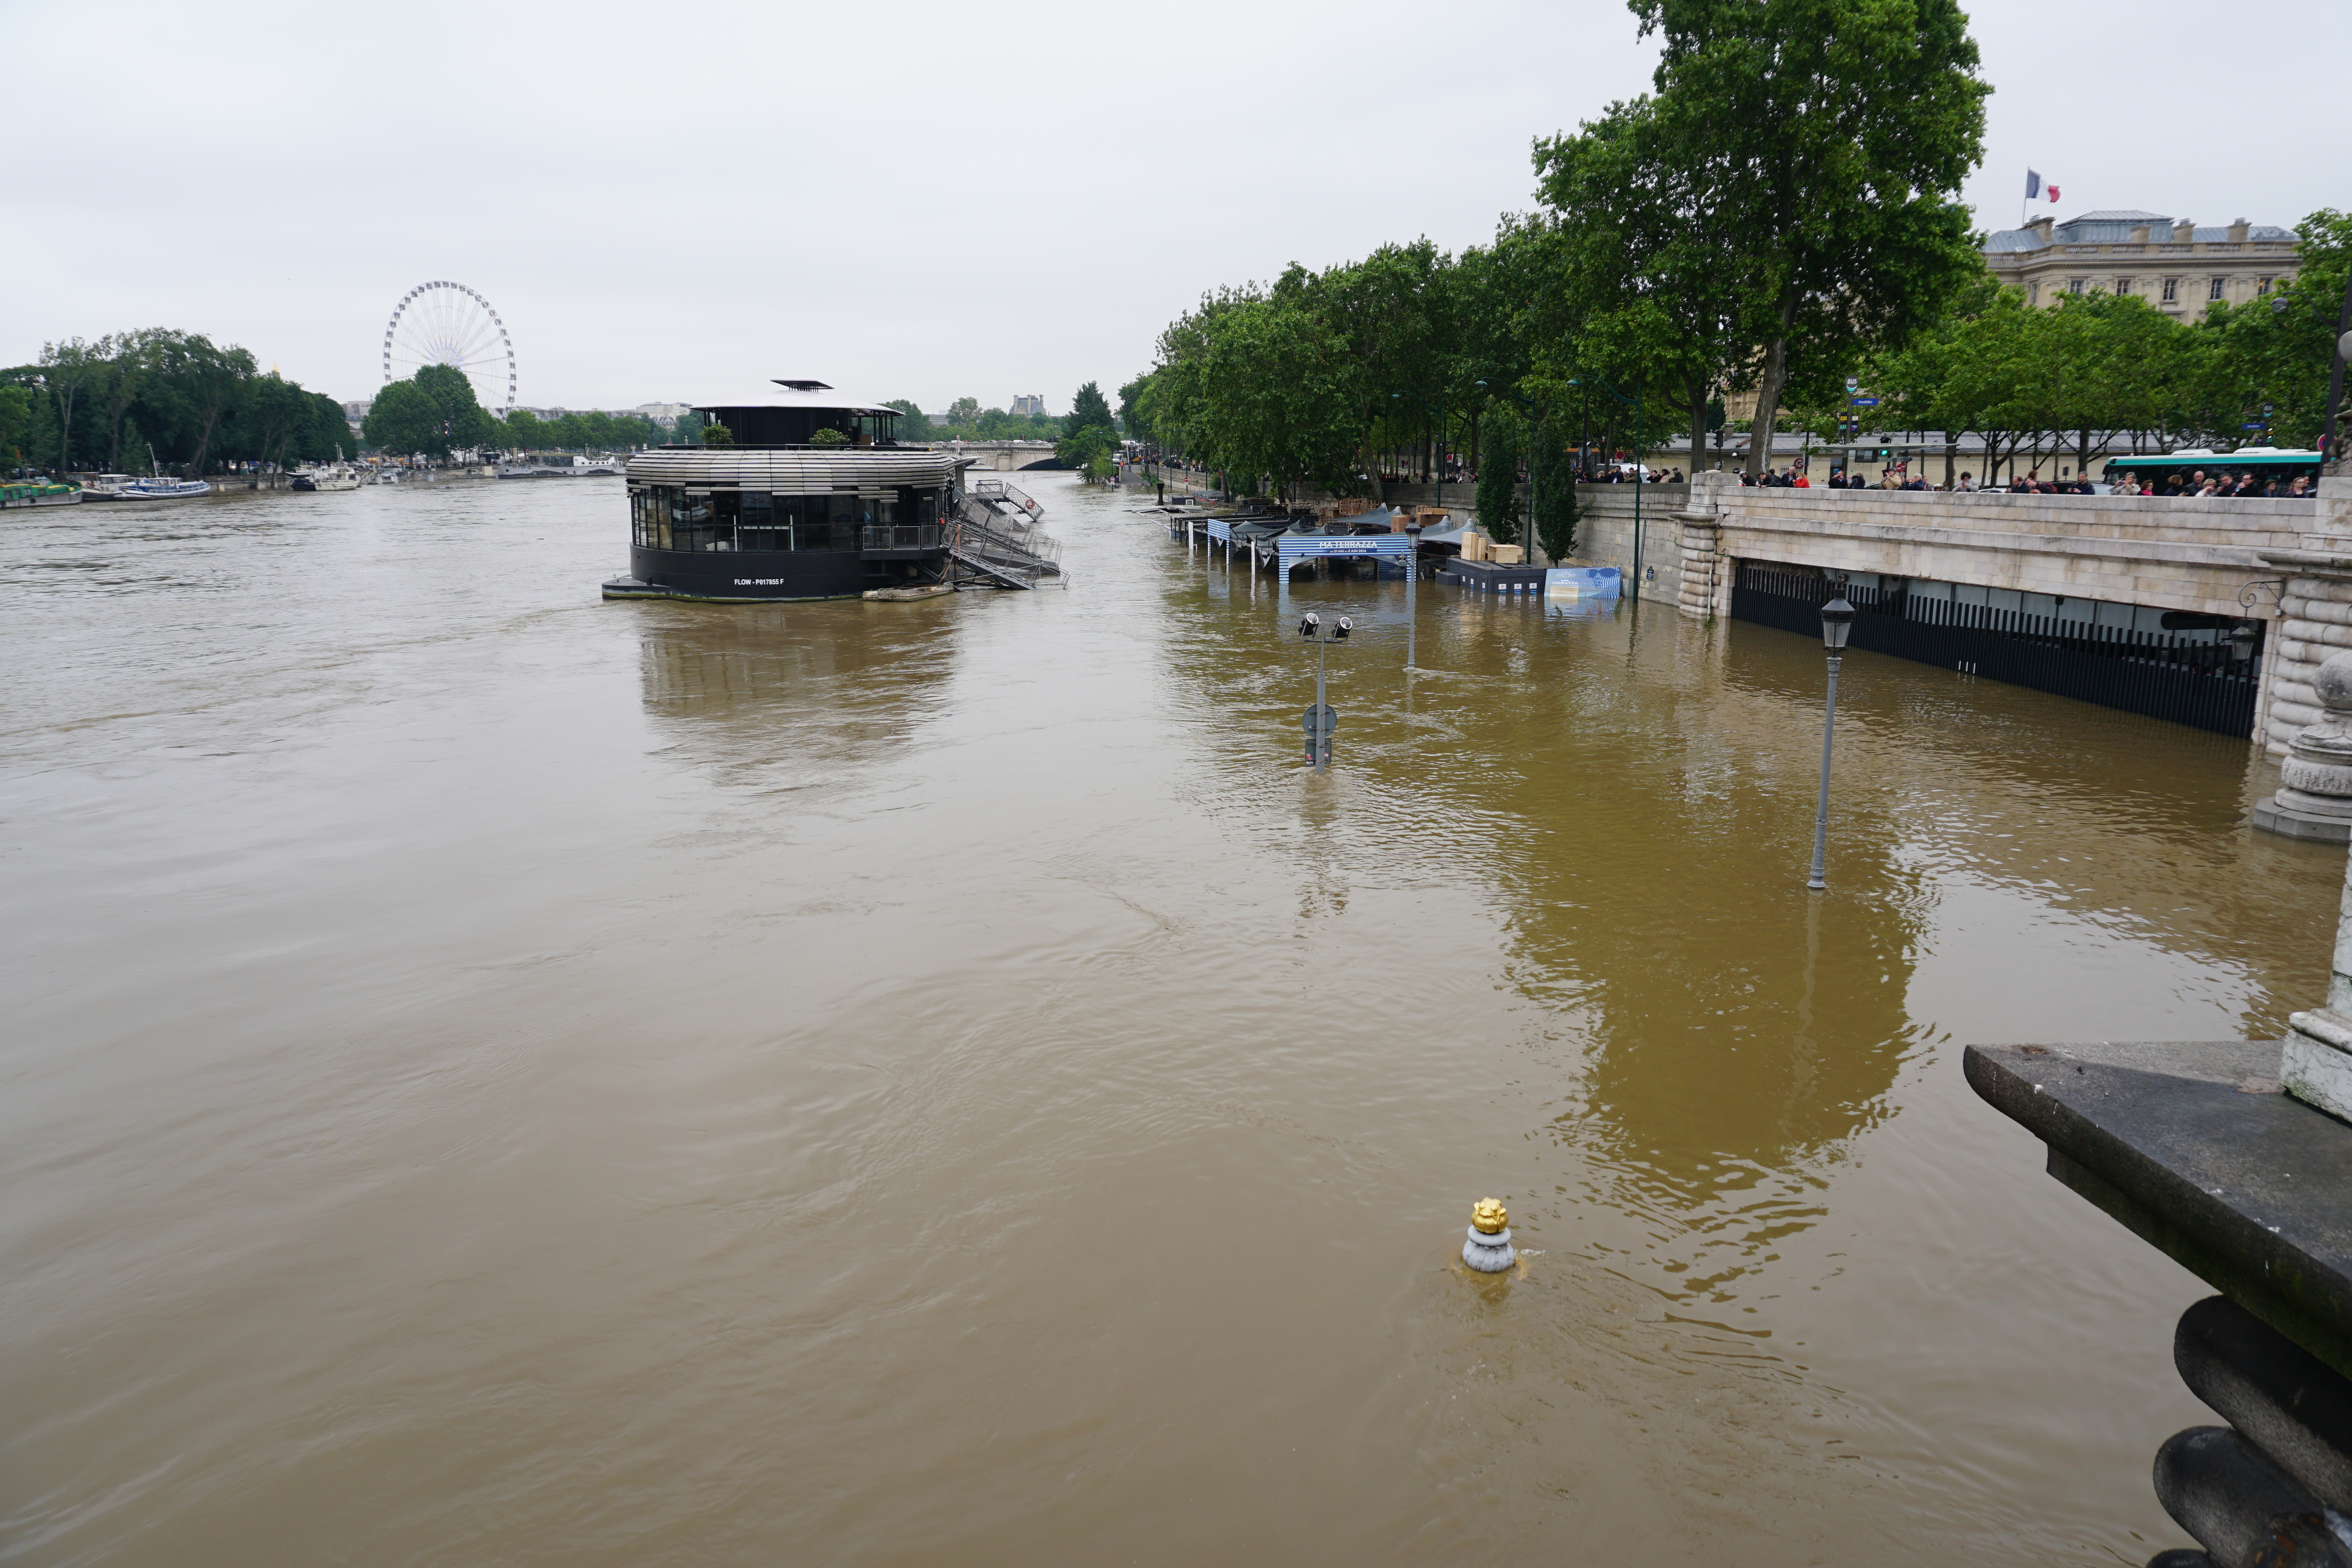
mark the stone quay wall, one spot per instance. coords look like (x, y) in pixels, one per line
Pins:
(1605, 534)
(2172, 552)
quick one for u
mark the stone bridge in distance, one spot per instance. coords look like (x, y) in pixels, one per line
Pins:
(1002, 456)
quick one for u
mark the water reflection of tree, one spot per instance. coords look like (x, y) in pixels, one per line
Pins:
(1735, 1032)
(786, 696)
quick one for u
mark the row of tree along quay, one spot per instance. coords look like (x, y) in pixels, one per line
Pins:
(199, 406)
(1781, 214)
(435, 413)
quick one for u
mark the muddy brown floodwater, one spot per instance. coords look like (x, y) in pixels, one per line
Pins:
(493, 1076)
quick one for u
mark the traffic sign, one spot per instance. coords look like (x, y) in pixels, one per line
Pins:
(1863, 403)
(1330, 718)
(2256, 425)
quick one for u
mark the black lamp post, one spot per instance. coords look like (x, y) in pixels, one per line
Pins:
(1837, 621)
(1412, 581)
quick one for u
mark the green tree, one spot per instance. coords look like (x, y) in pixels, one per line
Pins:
(196, 384)
(2274, 351)
(1632, 290)
(717, 435)
(526, 432)
(913, 427)
(1131, 416)
(828, 436)
(464, 423)
(272, 416)
(1817, 146)
(1497, 504)
(120, 383)
(68, 371)
(1089, 411)
(1556, 509)
(404, 420)
(17, 407)
(326, 435)
(964, 412)
(1087, 450)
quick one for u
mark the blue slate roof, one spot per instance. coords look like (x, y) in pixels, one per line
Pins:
(2114, 227)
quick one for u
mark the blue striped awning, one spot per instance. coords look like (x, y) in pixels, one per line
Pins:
(1308, 547)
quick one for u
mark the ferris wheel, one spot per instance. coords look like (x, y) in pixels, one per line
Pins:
(444, 323)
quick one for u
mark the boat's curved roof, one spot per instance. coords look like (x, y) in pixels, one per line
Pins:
(785, 392)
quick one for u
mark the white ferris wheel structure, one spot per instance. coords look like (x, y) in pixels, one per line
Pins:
(445, 323)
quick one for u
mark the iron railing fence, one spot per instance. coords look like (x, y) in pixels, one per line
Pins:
(2187, 679)
(904, 536)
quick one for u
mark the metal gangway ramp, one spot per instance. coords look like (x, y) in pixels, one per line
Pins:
(988, 544)
(1006, 502)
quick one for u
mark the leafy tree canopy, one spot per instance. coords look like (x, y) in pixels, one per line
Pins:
(1089, 411)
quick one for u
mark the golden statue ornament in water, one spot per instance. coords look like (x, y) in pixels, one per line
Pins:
(1488, 1251)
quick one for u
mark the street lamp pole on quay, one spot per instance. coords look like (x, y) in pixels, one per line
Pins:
(1837, 621)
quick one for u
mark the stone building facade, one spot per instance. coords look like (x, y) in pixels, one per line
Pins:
(2171, 263)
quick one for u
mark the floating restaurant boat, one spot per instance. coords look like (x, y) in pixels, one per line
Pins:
(556, 465)
(814, 498)
(39, 493)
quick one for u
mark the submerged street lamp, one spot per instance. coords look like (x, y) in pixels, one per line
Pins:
(1320, 721)
(1837, 623)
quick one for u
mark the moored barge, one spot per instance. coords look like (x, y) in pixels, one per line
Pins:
(811, 497)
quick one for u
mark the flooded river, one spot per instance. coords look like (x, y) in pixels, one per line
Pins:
(495, 1076)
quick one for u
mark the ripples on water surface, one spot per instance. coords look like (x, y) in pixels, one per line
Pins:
(496, 1076)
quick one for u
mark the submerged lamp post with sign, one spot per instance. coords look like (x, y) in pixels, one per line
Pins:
(1837, 621)
(1320, 721)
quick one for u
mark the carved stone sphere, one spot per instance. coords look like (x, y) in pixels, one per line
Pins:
(2333, 682)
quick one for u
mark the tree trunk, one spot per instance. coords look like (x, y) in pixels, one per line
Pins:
(1767, 390)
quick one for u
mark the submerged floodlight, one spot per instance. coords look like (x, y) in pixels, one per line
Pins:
(1344, 627)
(1307, 627)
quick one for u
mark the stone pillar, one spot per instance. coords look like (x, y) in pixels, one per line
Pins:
(2315, 620)
(2316, 1067)
(2315, 796)
(1706, 574)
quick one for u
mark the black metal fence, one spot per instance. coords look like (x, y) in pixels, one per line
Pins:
(2186, 678)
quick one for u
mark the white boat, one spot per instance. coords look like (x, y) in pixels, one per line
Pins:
(326, 476)
(158, 488)
(103, 487)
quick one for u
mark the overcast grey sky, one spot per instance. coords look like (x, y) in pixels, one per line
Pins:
(924, 200)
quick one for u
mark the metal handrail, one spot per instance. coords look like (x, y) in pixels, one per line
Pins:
(903, 536)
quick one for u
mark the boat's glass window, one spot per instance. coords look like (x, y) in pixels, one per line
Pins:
(759, 525)
(848, 514)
